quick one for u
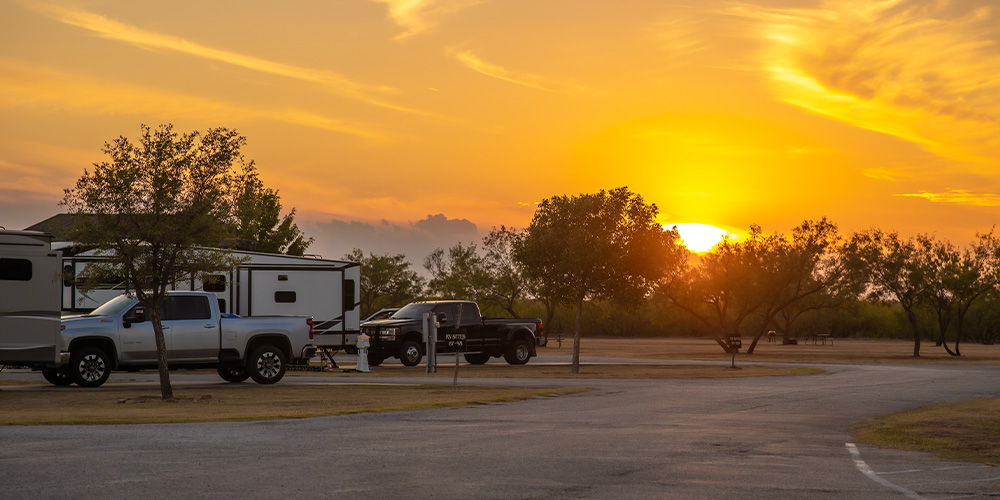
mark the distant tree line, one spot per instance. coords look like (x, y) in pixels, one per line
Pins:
(598, 264)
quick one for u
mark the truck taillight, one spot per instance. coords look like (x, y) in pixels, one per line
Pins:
(541, 330)
(312, 331)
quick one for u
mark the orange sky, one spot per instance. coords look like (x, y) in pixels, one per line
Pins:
(402, 125)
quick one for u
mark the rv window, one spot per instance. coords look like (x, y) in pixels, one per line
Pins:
(69, 277)
(188, 308)
(214, 283)
(349, 297)
(284, 297)
(15, 269)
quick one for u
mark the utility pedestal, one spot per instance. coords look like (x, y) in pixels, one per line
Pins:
(363, 345)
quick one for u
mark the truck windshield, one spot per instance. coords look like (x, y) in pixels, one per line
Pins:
(113, 306)
(413, 311)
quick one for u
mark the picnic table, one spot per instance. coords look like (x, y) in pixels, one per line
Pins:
(819, 339)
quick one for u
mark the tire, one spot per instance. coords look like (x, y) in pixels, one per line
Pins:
(374, 360)
(234, 373)
(57, 377)
(477, 358)
(518, 353)
(89, 367)
(267, 364)
(409, 353)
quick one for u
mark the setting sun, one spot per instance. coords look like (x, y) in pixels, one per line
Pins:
(698, 237)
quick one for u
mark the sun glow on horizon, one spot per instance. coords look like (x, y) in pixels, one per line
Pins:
(699, 238)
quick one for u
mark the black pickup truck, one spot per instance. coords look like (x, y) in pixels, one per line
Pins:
(401, 335)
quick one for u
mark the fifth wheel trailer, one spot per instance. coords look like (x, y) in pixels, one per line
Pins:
(29, 298)
(262, 285)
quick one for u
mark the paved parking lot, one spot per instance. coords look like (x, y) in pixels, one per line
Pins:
(773, 438)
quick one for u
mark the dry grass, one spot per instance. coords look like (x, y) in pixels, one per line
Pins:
(965, 432)
(843, 351)
(238, 402)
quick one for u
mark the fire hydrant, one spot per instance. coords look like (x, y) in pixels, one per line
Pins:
(363, 345)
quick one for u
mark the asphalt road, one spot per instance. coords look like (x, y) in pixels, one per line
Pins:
(767, 438)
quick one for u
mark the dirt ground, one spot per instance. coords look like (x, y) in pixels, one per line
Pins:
(837, 351)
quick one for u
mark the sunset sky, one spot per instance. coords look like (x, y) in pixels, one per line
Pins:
(404, 125)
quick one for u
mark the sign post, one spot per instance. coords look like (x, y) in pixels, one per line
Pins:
(456, 341)
(735, 343)
(430, 337)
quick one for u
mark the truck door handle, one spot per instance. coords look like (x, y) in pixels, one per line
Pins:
(209, 326)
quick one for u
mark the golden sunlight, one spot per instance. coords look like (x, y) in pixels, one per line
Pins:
(699, 238)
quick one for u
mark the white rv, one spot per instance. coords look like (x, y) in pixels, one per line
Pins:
(263, 285)
(29, 298)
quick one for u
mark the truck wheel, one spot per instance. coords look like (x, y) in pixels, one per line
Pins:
(374, 360)
(233, 373)
(89, 367)
(266, 365)
(57, 377)
(518, 353)
(410, 353)
(477, 358)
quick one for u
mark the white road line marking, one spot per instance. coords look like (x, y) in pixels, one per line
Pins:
(866, 470)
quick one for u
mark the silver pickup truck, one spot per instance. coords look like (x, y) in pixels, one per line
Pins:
(119, 336)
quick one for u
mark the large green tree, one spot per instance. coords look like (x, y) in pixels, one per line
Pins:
(891, 268)
(459, 273)
(506, 283)
(152, 206)
(600, 245)
(258, 218)
(957, 279)
(386, 280)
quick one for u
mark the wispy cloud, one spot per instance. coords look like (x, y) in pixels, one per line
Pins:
(529, 80)
(31, 86)
(925, 71)
(115, 30)
(679, 35)
(417, 16)
(958, 197)
(887, 174)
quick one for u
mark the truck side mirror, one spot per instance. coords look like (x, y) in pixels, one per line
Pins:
(136, 315)
(442, 317)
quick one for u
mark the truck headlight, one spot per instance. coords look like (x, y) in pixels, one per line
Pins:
(388, 333)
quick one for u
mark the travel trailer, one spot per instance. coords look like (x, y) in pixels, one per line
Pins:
(263, 285)
(29, 298)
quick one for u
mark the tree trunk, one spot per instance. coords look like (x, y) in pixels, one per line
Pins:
(958, 334)
(577, 327)
(166, 391)
(916, 332)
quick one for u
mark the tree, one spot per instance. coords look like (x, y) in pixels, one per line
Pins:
(956, 279)
(458, 274)
(152, 205)
(601, 245)
(755, 280)
(506, 283)
(258, 219)
(891, 269)
(801, 273)
(723, 291)
(386, 280)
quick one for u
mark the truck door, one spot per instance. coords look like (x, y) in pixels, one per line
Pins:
(446, 327)
(138, 342)
(194, 333)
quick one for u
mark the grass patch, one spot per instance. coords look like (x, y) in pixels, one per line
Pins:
(241, 402)
(841, 351)
(598, 371)
(968, 431)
